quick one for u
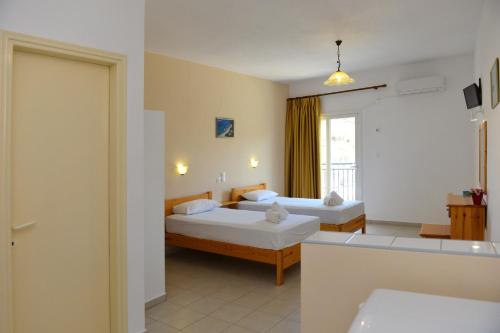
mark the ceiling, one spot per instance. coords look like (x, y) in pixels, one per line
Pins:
(286, 40)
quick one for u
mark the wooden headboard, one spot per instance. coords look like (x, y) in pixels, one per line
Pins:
(238, 191)
(170, 203)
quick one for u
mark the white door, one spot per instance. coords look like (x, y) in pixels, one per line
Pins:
(340, 156)
(60, 195)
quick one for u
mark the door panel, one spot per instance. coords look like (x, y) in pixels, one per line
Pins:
(60, 134)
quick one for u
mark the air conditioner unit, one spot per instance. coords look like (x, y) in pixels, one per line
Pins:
(420, 86)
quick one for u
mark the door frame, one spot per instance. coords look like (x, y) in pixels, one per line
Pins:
(117, 64)
(359, 147)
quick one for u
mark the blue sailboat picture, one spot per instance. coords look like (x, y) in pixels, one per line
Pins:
(224, 128)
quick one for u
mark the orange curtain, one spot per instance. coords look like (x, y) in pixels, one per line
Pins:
(302, 148)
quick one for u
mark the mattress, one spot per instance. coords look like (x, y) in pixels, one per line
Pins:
(243, 228)
(392, 311)
(340, 214)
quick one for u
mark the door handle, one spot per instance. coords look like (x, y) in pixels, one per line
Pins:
(23, 226)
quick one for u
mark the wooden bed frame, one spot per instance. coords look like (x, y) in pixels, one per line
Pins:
(353, 225)
(282, 259)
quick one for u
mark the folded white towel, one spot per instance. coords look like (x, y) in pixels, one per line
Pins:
(276, 213)
(333, 199)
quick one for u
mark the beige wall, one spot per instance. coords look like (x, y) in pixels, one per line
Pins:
(192, 95)
(336, 279)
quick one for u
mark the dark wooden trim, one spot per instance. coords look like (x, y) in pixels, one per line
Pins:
(341, 91)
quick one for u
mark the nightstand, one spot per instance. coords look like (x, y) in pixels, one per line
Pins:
(229, 204)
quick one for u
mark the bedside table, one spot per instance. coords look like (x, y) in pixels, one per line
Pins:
(229, 204)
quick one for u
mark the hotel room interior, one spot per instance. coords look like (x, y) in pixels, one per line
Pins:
(249, 166)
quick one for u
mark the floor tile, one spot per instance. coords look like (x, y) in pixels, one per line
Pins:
(254, 299)
(184, 298)
(286, 326)
(182, 318)
(280, 308)
(158, 327)
(149, 320)
(231, 312)
(229, 293)
(162, 311)
(258, 321)
(402, 230)
(207, 325)
(291, 295)
(295, 315)
(206, 305)
(237, 329)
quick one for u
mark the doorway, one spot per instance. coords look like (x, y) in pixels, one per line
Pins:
(340, 156)
(62, 199)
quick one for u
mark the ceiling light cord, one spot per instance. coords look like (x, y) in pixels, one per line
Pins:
(338, 54)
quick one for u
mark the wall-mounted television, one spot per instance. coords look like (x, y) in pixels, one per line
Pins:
(473, 96)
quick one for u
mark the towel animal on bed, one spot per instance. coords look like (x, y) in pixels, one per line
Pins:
(333, 199)
(276, 214)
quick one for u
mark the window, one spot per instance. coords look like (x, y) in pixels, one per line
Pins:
(339, 155)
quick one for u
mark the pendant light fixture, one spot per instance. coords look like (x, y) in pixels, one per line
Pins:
(339, 78)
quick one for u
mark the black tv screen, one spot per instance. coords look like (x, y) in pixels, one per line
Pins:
(472, 96)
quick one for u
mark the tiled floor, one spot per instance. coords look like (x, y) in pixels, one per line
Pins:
(400, 230)
(210, 293)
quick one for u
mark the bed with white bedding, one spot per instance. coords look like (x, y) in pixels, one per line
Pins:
(239, 233)
(243, 227)
(314, 207)
(348, 217)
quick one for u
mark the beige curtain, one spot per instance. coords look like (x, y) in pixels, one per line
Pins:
(302, 148)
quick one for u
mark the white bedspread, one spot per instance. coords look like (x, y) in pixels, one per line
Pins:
(340, 214)
(244, 228)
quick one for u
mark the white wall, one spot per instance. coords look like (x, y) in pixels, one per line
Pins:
(424, 145)
(487, 49)
(112, 25)
(154, 196)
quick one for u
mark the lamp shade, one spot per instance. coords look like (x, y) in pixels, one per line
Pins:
(339, 78)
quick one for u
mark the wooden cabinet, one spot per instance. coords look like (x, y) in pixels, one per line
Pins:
(468, 221)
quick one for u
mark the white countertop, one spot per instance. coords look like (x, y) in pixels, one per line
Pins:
(405, 243)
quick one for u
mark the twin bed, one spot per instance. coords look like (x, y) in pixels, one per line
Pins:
(244, 233)
(348, 217)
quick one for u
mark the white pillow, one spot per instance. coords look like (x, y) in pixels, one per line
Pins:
(259, 195)
(196, 206)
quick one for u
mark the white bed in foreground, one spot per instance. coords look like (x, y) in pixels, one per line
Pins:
(392, 311)
(239, 234)
(347, 217)
(243, 227)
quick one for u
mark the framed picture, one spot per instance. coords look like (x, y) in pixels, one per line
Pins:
(494, 84)
(483, 155)
(224, 128)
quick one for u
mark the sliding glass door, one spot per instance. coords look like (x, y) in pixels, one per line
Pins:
(340, 152)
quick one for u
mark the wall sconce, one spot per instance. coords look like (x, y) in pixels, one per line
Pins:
(182, 169)
(254, 163)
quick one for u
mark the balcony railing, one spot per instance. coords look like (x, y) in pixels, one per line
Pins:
(342, 179)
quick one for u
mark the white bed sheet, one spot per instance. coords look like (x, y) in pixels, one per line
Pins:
(340, 214)
(243, 228)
